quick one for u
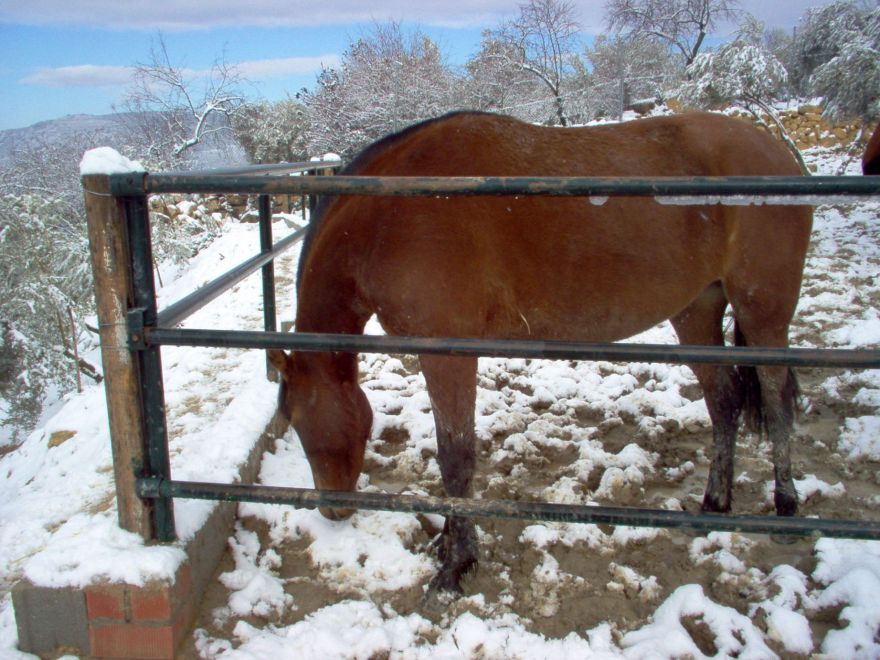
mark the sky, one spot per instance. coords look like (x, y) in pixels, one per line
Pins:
(64, 57)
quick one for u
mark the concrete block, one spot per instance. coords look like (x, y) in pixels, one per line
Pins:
(49, 618)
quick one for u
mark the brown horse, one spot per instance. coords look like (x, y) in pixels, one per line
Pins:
(555, 269)
(871, 157)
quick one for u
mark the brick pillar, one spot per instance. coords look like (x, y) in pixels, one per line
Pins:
(126, 621)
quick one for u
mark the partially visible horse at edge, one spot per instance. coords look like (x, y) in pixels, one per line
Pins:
(546, 268)
(871, 157)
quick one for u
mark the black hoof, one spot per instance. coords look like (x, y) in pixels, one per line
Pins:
(713, 505)
(786, 503)
(437, 600)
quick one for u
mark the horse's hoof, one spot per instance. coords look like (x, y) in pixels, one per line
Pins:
(437, 601)
(784, 539)
(713, 505)
(786, 504)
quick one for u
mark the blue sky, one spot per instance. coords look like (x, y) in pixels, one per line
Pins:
(72, 56)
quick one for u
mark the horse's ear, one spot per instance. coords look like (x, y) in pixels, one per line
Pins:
(279, 360)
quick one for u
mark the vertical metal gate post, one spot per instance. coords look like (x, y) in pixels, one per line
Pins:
(269, 311)
(144, 314)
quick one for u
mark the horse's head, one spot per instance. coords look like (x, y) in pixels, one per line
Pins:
(320, 396)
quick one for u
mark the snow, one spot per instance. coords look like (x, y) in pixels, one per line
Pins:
(329, 156)
(58, 512)
(106, 160)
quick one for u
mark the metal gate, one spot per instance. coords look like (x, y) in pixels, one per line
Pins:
(133, 331)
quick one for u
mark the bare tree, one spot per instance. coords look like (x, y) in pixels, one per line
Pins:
(172, 109)
(682, 24)
(543, 41)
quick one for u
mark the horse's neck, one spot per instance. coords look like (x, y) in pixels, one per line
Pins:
(327, 310)
(327, 303)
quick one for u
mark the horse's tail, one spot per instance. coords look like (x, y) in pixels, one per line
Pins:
(753, 410)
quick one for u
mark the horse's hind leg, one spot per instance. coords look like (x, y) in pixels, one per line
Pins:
(772, 411)
(452, 386)
(773, 408)
(701, 324)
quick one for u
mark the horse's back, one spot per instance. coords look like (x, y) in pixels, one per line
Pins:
(561, 268)
(482, 144)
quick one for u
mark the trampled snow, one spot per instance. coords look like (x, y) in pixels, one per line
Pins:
(57, 507)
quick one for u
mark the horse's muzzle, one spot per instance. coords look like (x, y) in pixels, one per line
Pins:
(336, 514)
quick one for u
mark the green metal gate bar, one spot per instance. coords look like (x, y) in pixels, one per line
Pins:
(798, 189)
(512, 510)
(547, 350)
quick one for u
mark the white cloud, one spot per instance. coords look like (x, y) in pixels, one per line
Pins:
(91, 75)
(180, 15)
(86, 75)
(172, 15)
(287, 66)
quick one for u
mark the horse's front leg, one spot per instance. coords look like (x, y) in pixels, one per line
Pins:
(452, 386)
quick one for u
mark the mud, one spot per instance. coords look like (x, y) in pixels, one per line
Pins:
(560, 581)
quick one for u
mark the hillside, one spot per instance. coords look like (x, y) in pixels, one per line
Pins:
(109, 130)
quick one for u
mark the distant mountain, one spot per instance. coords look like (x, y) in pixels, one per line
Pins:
(110, 130)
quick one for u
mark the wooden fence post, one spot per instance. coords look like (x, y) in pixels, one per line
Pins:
(108, 245)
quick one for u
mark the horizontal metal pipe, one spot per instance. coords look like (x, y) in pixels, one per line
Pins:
(180, 310)
(553, 350)
(568, 513)
(268, 169)
(799, 189)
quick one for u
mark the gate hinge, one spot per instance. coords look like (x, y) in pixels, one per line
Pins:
(136, 338)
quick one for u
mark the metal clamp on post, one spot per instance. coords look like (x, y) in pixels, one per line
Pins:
(129, 184)
(136, 329)
(148, 487)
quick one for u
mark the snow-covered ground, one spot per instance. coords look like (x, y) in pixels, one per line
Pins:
(297, 585)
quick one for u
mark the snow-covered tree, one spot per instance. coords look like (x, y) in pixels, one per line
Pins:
(171, 109)
(494, 83)
(847, 71)
(387, 80)
(274, 132)
(740, 73)
(44, 296)
(543, 41)
(837, 51)
(626, 70)
(820, 36)
(681, 24)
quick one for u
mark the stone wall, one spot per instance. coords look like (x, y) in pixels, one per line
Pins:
(808, 128)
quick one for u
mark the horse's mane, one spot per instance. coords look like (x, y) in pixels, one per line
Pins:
(365, 157)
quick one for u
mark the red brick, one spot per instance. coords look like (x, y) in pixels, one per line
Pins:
(106, 602)
(129, 640)
(151, 604)
(160, 601)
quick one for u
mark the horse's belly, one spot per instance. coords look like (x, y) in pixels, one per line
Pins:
(599, 276)
(578, 314)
